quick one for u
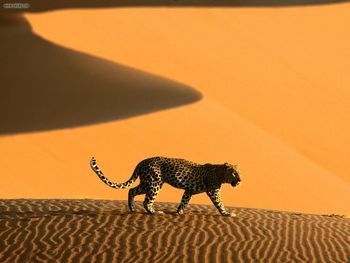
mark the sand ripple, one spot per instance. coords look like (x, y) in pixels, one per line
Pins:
(105, 231)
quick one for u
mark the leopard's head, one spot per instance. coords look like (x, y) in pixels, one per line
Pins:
(233, 174)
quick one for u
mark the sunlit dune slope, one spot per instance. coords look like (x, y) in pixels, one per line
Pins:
(275, 100)
(273, 174)
(286, 70)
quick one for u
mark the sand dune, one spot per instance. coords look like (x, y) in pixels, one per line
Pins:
(104, 231)
(274, 85)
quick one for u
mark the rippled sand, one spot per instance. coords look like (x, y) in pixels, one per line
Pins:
(105, 231)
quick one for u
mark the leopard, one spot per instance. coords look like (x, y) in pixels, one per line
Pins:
(192, 177)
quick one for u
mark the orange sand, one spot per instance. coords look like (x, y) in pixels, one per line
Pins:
(264, 87)
(105, 231)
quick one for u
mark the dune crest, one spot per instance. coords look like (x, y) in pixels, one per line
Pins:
(42, 5)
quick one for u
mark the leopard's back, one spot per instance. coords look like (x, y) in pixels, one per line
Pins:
(179, 173)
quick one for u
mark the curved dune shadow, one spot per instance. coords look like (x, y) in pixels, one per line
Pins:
(45, 86)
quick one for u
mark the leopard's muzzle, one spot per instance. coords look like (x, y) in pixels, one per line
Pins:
(234, 183)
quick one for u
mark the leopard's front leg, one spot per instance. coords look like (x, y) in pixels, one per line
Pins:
(214, 195)
(184, 201)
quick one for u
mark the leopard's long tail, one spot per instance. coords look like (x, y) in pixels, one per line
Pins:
(100, 174)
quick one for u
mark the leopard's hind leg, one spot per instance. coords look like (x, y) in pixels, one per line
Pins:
(151, 195)
(138, 190)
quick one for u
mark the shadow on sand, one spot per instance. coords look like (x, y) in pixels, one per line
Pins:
(45, 86)
(44, 5)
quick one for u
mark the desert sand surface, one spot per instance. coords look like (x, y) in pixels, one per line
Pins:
(105, 231)
(262, 84)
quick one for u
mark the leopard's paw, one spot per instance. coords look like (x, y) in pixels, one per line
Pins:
(233, 214)
(180, 212)
(226, 213)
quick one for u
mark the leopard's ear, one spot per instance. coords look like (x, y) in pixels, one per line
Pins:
(227, 165)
